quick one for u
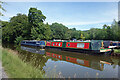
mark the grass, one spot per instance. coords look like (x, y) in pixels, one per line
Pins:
(0, 50)
(0, 41)
(16, 68)
(117, 51)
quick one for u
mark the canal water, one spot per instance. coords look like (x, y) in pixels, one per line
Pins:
(65, 64)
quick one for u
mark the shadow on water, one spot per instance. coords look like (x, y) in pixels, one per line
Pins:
(69, 64)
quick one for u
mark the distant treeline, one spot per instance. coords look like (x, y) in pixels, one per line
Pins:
(32, 27)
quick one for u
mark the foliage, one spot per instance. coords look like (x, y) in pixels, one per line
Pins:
(35, 16)
(1, 8)
(59, 31)
(33, 27)
(75, 34)
(15, 28)
(115, 30)
(16, 68)
(82, 37)
(107, 33)
(3, 23)
(117, 51)
(39, 30)
(18, 40)
(0, 33)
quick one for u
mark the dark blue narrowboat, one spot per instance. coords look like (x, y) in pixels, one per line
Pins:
(111, 44)
(33, 43)
(116, 43)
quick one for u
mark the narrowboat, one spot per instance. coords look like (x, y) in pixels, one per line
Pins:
(116, 44)
(33, 43)
(93, 46)
(111, 44)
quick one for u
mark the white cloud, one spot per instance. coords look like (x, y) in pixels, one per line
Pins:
(86, 23)
(7, 16)
(83, 23)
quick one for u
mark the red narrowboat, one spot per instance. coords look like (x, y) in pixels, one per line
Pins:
(93, 46)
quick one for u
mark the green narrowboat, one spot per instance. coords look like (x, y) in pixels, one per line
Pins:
(93, 46)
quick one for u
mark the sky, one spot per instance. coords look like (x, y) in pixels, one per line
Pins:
(79, 15)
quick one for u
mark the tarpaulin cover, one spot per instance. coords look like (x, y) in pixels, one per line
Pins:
(96, 44)
(106, 44)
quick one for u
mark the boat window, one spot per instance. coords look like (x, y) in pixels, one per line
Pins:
(80, 45)
(68, 58)
(80, 61)
(53, 54)
(53, 44)
(59, 56)
(59, 44)
(68, 44)
(23, 42)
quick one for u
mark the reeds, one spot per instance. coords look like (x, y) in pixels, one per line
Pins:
(16, 68)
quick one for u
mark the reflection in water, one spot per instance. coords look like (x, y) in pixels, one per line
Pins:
(87, 63)
(70, 64)
(27, 55)
(33, 50)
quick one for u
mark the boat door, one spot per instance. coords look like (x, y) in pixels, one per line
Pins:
(64, 44)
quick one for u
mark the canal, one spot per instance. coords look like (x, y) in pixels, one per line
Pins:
(65, 64)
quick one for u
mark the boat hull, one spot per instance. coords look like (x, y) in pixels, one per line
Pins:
(75, 50)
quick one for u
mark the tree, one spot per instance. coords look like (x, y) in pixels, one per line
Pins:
(1, 8)
(75, 34)
(3, 23)
(39, 30)
(42, 32)
(0, 33)
(15, 28)
(101, 34)
(35, 16)
(82, 37)
(59, 31)
(104, 26)
(115, 30)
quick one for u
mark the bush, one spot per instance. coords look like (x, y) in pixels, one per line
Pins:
(18, 40)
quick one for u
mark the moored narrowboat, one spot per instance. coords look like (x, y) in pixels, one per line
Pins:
(33, 43)
(111, 44)
(116, 44)
(93, 46)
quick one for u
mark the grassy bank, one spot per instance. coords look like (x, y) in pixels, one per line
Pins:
(117, 51)
(16, 68)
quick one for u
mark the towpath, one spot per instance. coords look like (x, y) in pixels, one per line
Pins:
(2, 72)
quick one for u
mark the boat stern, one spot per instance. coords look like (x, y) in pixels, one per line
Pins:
(105, 50)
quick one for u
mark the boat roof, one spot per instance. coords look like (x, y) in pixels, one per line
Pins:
(32, 40)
